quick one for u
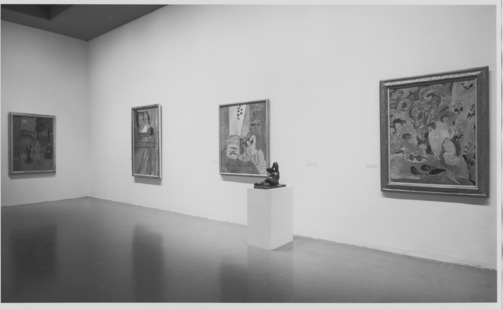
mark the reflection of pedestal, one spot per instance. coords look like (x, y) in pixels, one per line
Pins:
(270, 217)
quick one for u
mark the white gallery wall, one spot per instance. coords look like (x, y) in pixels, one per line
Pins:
(320, 67)
(46, 73)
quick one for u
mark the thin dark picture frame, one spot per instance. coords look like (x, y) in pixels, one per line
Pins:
(154, 157)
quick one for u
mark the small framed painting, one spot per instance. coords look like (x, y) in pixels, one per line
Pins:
(435, 133)
(244, 138)
(146, 141)
(31, 143)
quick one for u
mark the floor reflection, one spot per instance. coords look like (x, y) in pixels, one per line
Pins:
(267, 276)
(233, 282)
(148, 265)
(91, 250)
(270, 275)
(33, 260)
(34, 253)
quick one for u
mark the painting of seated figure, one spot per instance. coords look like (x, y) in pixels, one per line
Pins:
(434, 133)
(244, 138)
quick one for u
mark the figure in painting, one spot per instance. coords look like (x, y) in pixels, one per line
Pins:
(458, 166)
(272, 181)
(251, 153)
(145, 162)
(252, 149)
(438, 131)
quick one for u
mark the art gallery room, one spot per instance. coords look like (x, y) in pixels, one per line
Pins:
(275, 154)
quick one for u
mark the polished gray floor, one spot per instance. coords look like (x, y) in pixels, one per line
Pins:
(91, 250)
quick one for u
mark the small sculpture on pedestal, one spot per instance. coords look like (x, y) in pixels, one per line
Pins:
(272, 181)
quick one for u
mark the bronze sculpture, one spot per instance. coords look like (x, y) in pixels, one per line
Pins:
(272, 181)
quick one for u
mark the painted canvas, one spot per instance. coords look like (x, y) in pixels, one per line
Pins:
(146, 141)
(244, 138)
(31, 146)
(435, 133)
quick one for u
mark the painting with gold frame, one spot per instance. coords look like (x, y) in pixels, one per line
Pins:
(435, 133)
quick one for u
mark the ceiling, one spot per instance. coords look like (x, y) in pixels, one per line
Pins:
(84, 22)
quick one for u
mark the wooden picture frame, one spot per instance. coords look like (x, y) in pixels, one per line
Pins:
(146, 141)
(244, 138)
(31, 143)
(435, 133)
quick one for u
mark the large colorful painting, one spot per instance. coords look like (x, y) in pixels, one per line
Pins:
(244, 138)
(146, 141)
(31, 143)
(434, 132)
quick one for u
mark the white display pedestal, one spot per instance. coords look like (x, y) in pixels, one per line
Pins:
(270, 217)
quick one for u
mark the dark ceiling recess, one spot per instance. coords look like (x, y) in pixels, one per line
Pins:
(84, 22)
(43, 11)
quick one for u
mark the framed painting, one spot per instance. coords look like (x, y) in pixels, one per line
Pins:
(146, 141)
(31, 143)
(244, 138)
(435, 133)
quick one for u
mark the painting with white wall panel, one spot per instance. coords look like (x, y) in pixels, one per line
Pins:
(435, 133)
(146, 141)
(31, 146)
(244, 138)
